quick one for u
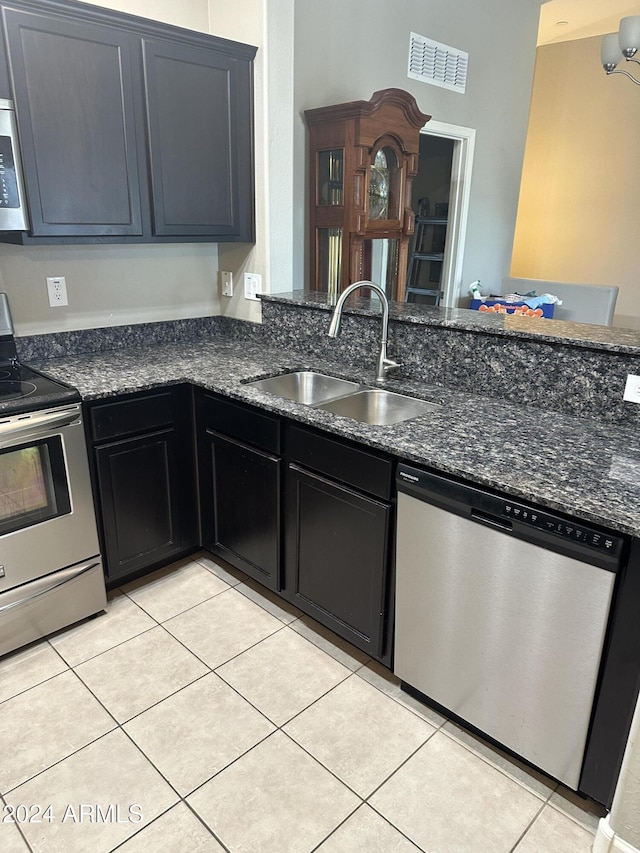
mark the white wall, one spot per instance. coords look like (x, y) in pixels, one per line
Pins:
(347, 50)
(268, 24)
(112, 284)
(624, 819)
(191, 14)
(577, 219)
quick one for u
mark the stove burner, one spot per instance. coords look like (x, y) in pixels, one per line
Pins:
(4, 374)
(10, 389)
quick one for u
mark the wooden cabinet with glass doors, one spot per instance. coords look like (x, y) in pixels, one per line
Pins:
(363, 158)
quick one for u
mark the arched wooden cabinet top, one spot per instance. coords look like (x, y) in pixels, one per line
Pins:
(363, 158)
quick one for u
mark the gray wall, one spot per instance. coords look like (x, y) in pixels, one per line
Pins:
(346, 50)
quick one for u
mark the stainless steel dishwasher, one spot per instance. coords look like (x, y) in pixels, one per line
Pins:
(501, 614)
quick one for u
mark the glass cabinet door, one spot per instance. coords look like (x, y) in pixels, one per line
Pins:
(330, 189)
(329, 254)
(380, 263)
(384, 185)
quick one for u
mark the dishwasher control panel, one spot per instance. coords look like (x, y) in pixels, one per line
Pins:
(553, 524)
(599, 546)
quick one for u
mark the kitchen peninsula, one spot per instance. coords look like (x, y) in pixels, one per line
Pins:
(529, 408)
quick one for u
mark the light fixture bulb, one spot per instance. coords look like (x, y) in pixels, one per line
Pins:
(610, 54)
(629, 35)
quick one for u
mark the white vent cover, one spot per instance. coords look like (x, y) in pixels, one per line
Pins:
(438, 64)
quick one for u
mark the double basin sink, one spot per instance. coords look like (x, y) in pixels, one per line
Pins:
(375, 406)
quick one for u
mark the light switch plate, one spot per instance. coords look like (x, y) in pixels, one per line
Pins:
(227, 283)
(252, 285)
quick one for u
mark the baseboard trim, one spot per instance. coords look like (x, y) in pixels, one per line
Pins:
(606, 840)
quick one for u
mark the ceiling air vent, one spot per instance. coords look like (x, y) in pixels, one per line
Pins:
(438, 64)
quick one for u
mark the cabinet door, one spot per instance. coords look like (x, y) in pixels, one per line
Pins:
(74, 102)
(241, 507)
(199, 126)
(141, 502)
(336, 557)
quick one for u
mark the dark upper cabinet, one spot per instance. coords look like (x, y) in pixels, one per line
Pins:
(199, 141)
(74, 95)
(130, 130)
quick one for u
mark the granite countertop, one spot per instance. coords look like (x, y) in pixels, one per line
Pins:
(505, 325)
(578, 466)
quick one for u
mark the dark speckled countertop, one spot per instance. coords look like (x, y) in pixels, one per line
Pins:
(606, 338)
(579, 466)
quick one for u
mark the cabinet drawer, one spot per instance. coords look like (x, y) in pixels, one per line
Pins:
(135, 413)
(354, 466)
(242, 423)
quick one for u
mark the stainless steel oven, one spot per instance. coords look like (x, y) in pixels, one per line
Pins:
(50, 566)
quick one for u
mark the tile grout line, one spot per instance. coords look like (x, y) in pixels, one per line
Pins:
(496, 767)
(17, 825)
(210, 670)
(528, 827)
(367, 805)
(75, 751)
(399, 701)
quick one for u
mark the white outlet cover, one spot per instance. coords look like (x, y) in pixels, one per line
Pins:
(632, 389)
(57, 291)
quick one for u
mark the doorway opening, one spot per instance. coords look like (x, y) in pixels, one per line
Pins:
(440, 196)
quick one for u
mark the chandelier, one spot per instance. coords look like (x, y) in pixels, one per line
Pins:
(621, 45)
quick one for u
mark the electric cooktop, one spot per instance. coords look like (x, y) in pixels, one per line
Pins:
(23, 389)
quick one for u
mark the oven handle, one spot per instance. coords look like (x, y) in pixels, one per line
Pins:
(68, 575)
(37, 424)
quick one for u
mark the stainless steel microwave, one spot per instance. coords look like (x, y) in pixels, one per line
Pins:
(13, 211)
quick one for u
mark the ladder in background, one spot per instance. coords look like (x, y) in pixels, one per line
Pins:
(423, 253)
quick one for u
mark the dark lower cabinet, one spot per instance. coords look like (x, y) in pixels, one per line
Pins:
(144, 475)
(239, 470)
(338, 538)
(329, 552)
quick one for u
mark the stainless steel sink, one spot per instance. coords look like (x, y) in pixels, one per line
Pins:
(305, 386)
(379, 407)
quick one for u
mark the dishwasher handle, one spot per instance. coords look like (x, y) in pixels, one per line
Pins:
(491, 520)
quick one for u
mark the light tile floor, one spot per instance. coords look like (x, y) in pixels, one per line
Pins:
(201, 713)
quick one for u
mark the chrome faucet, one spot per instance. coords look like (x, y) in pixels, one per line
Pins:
(384, 362)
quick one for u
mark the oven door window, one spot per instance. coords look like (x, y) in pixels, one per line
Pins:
(33, 484)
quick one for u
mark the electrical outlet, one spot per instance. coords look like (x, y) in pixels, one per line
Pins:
(252, 285)
(632, 389)
(57, 289)
(227, 283)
